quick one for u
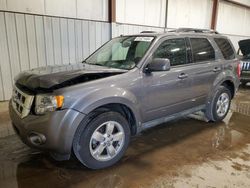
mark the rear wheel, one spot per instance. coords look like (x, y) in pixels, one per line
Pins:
(220, 105)
(103, 142)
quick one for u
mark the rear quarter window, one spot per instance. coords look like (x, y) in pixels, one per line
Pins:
(202, 50)
(225, 48)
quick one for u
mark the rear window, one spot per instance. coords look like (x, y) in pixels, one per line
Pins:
(225, 48)
(202, 50)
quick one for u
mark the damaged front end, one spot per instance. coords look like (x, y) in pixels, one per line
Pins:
(48, 79)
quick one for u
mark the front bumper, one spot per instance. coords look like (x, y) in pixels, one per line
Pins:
(245, 76)
(58, 129)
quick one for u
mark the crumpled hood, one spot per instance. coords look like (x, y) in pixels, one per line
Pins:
(54, 77)
(245, 46)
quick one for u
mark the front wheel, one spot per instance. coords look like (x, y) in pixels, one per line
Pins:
(103, 142)
(220, 105)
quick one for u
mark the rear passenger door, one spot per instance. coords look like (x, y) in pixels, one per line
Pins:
(205, 67)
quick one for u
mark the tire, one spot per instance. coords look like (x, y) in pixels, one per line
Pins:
(96, 146)
(213, 109)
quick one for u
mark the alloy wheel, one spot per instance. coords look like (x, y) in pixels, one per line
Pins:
(222, 104)
(107, 141)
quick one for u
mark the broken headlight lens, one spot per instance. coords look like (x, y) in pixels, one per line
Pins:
(48, 103)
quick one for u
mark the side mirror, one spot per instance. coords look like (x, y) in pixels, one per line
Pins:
(158, 64)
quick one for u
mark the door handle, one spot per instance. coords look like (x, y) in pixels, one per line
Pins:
(182, 76)
(216, 69)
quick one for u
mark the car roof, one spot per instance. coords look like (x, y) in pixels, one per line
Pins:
(185, 32)
(165, 34)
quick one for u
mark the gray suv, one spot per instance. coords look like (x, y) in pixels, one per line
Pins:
(131, 83)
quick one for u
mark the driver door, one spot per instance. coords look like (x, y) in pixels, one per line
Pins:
(168, 92)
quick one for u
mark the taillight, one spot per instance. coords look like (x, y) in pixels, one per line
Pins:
(239, 69)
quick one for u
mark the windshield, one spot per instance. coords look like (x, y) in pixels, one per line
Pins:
(122, 52)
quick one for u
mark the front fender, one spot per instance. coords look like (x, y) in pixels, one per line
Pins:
(101, 97)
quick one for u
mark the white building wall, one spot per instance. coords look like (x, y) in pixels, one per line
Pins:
(83, 9)
(233, 21)
(245, 2)
(36, 33)
(133, 17)
(130, 29)
(141, 12)
(92, 9)
(65, 8)
(189, 13)
(30, 6)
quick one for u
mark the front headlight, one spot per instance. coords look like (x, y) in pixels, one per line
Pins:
(48, 103)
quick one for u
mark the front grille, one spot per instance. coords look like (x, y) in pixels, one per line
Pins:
(245, 66)
(21, 102)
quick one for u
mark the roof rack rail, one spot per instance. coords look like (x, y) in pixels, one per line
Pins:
(148, 32)
(194, 30)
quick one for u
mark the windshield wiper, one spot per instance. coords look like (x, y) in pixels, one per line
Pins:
(98, 64)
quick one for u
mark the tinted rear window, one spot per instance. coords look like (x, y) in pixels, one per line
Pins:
(202, 50)
(225, 48)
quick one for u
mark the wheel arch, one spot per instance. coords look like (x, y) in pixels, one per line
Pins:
(124, 110)
(227, 82)
(229, 85)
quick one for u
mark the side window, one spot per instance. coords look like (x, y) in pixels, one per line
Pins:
(202, 50)
(225, 48)
(173, 49)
